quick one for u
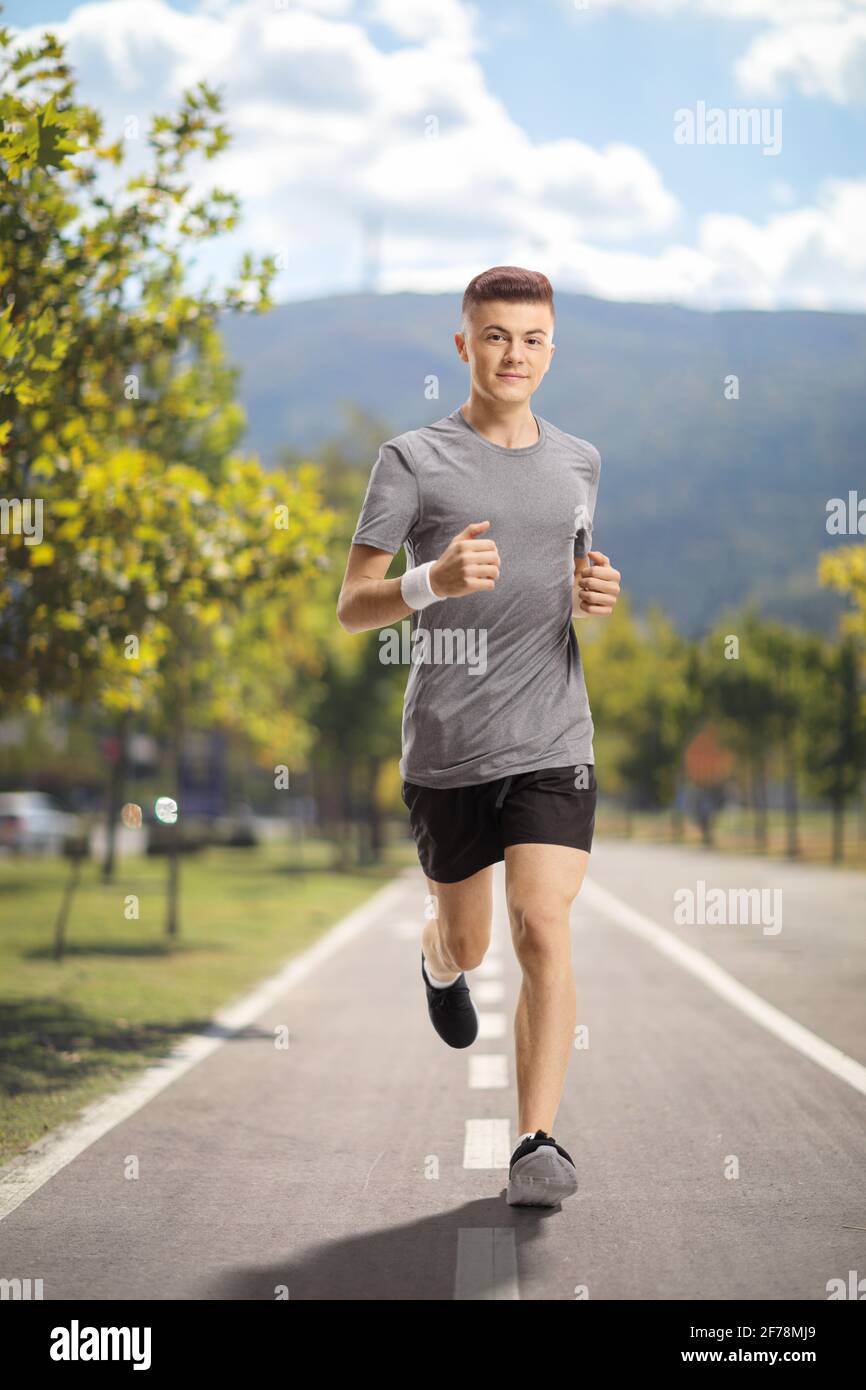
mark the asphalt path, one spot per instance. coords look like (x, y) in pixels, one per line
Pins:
(333, 1147)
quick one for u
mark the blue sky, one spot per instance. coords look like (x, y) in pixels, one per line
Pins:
(554, 146)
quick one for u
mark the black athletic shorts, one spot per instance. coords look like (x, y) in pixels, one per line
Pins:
(459, 830)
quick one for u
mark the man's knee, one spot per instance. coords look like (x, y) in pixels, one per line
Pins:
(539, 929)
(467, 949)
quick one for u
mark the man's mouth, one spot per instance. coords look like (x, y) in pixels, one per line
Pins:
(512, 376)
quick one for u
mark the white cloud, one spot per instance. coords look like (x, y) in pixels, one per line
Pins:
(781, 12)
(817, 47)
(329, 133)
(323, 119)
(447, 22)
(811, 257)
(817, 58)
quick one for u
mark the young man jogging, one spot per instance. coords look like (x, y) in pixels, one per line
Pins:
(494, 507)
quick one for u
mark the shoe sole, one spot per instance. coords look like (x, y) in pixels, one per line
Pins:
(541, 1179)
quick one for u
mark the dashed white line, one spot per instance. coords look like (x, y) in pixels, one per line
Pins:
(491, 966)
(491, 1025)
(486, 1263)
(488, 992)
(486, 1144)
(488, 1071)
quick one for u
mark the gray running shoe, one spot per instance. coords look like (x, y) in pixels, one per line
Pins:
(541, 1173)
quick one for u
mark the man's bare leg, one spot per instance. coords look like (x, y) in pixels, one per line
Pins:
(456, 937)
(541, 882)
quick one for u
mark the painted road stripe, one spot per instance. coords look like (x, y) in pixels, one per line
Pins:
(727, 987)
(27, 1173)
(488, 992)
(491, 966)
(491, 1025)
(486, 1263)
(488, 1071)
(408, 931)
(486, 1144)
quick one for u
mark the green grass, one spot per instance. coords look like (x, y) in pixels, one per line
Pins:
(733, 833)
(125, 992)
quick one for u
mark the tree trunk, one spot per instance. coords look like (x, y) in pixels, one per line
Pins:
(344, 822)
(838, 849)
(66, 903)
(375, 823)
(705, 820)
(759, 801)
(172, 917)
(792, 808)
(116, 789)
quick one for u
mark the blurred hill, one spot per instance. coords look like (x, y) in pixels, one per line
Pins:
(704, 502)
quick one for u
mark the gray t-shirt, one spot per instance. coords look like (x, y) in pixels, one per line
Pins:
(495, 683)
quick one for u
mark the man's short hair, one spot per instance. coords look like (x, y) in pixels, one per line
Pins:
(509, 282)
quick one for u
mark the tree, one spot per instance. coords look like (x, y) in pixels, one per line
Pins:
(645, 702)
(743, 693)
(836, 730)
(117, 409)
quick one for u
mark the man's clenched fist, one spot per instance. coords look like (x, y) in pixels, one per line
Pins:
(597, 587)
(467, 565)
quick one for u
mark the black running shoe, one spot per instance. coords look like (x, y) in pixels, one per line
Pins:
(541, 1173)
(451, 1010)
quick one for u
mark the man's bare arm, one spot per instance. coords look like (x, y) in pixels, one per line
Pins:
(367, 599)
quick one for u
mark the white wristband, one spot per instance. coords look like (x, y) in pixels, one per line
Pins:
(416, 588)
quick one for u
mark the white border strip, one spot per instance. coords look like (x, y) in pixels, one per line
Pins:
(26, 1174)
(727, 987)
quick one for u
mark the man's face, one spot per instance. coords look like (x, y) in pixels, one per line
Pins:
(508, 347)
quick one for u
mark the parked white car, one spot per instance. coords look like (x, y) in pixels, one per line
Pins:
(35, 823)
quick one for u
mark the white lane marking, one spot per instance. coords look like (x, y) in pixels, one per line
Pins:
(486, 1144)
(486, 1263)
(488, 992)
(408, 931)
(27, 1173)
(488, 1071)
(490, 967)
(728, 988)
(491, 1025)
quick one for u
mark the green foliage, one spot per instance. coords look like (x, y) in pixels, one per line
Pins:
(171, 570)
(643, 701)
(845, 570)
